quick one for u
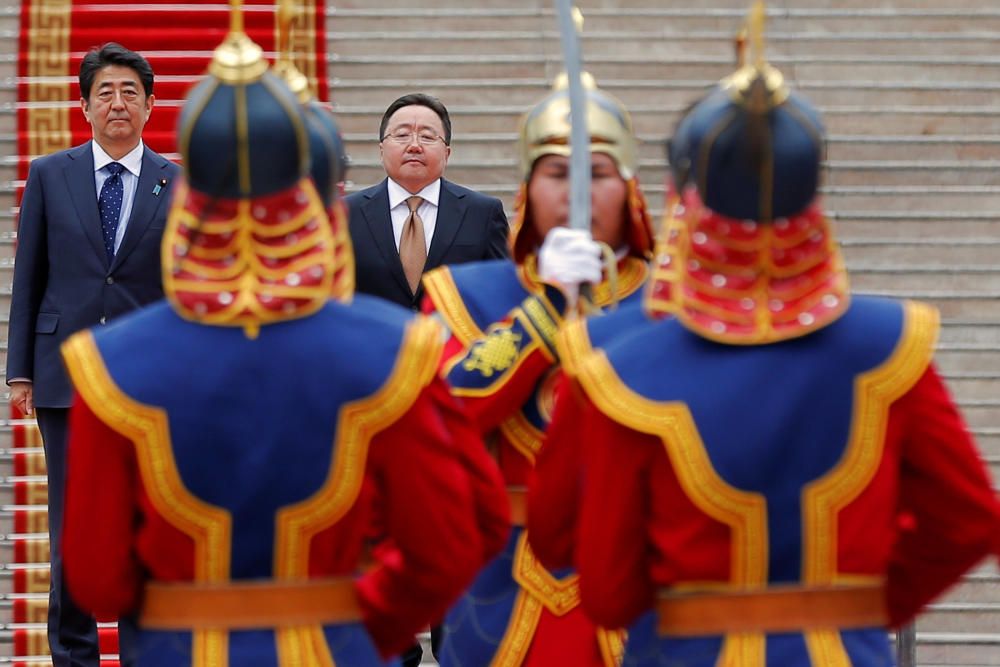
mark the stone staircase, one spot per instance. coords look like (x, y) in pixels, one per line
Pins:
(910, 93)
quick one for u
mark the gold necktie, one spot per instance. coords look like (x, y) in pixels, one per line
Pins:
(412, 247)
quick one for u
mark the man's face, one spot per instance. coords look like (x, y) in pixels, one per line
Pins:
(415, 163)
(548, 197)
(117, 109)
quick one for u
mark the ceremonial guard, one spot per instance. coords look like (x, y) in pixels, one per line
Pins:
(771, 464)
(501, 360)
(228, 444)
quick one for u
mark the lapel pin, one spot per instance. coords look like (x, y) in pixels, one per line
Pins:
(159, 186)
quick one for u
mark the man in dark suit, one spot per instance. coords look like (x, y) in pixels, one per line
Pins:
(88, 251)
(415, 220)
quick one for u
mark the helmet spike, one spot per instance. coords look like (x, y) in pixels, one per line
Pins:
(755, 28)
(285, 14)
(236, 17)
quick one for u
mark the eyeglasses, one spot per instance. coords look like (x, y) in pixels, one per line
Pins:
(405, 137)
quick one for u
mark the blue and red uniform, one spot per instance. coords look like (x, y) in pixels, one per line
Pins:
(232, 448)
(863, 475)
(765, 468)
(500, 360)
(243, 479)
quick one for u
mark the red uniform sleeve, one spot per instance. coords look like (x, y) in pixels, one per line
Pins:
(554, 490)
(444, 511)
(102, 485)
(949, 513)
(611, 553)
(534, 320)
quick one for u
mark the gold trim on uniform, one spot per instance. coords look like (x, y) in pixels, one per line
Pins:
(148, 428)
(612, 645)
(824, 498)
(520, 631)
(745, 513)
(440, 287)
(559, 596)
(522, 435)
(296, 525)
(573, 344)
(632, 274)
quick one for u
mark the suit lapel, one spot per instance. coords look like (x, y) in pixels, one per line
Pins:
(451, 212)
(79, 174)
(379, 222)
(145, 204)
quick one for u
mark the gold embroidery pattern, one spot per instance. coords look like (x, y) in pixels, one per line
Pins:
(493, 354)
(47, 66)
(559, 596)
(148, 428)
(824, 498)
(360, 421)
(520, 631)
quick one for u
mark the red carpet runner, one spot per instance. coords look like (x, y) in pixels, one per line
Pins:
(178, 40)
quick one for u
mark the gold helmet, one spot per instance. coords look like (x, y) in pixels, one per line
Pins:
(545, 130)
(248, 241)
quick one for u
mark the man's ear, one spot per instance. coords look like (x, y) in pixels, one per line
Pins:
(149, 105)
(85, 107)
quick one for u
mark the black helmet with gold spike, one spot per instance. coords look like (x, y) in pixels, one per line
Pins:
(748, 255)
(752, 147)
(248, 239)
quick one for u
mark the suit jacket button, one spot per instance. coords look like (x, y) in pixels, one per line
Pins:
(104, 320)
(110, 280)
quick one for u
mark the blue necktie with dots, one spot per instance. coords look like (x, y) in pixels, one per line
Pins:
(109, 204)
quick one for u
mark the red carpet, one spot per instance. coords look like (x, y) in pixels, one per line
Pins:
(178, 40)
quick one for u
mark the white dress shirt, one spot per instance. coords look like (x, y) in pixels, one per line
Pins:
(428, 209)
(132, 161)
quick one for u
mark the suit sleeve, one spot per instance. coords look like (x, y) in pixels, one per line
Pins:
(30, 271)
(102, 571)
(949, 512)
(554, 490)
(415, 580)
(497, 245)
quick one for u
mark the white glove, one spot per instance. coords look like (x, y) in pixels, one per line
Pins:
(568, 258)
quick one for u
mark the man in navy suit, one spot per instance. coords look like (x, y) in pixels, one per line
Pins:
(88, 251)
(449, 224)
